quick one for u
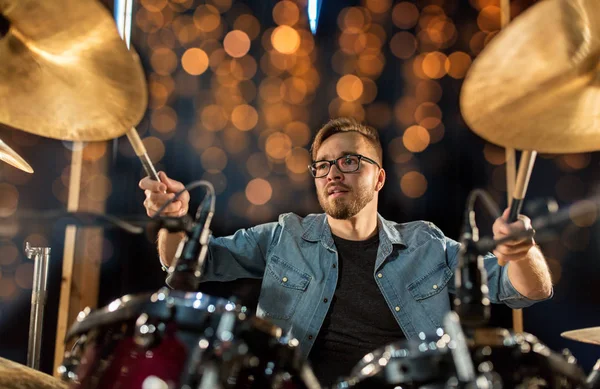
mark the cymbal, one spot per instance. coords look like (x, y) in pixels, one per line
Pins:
(65, 72)
(536, 86)
(16, 376)
(11, 157)
(586, 335)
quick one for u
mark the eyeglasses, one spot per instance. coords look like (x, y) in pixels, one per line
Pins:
(346, 164)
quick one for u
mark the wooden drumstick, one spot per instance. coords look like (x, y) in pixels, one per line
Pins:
(140, 151)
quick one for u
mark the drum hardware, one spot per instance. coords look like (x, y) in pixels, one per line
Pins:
(41, 257)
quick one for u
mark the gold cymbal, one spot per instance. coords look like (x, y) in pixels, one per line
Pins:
(11, 157)
(16, 376)
(536, 86)
(65, 73)
(586, 335)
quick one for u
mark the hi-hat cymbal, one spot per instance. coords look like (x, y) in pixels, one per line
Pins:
(16, 376)
(11, 157)
(586, 335)
(536, 86)
(65, 73)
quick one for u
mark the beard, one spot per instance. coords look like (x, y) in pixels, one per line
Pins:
(348, 206)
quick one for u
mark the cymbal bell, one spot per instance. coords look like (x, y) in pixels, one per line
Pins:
(11, 157)
(536, 86)
(587, 335)
(65, 73)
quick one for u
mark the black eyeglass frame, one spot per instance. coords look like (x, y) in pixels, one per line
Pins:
(334, 161)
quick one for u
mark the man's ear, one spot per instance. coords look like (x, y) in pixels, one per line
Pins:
(380, 180)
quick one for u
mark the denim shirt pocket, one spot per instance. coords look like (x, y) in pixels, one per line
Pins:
(427, 288)
(283, 286)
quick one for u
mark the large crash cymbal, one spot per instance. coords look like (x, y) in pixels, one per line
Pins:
(586, 335)
(536, 86)
(65, 73)
(11, 157)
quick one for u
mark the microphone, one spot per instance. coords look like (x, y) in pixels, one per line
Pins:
(186, 270)
(471, 301)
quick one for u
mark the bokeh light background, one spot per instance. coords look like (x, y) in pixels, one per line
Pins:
(237, 90)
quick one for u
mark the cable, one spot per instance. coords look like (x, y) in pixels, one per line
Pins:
(193, 185)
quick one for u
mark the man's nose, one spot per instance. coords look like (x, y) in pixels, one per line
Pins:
(334, 173)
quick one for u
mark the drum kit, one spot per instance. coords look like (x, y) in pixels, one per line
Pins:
(535, 87)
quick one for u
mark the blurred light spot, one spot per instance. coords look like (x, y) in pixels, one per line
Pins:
(405, 15)
(434, 65)
(436, 133)
(216, 58)
(164, 119)
(155, 148)
(163, 61)
(285, 40)
(219, 181)
(93, 151)
(489, 19)
(416, 138)
(201, 140)
(297, 160)
(583, 213)
(569, 188)
(494, 154)
(379, 6)
(499, 178)
(555, 269)
(339, 107)
(99, 186)
(371, 64)
(349, 87)
(295, 90)
(457, 64)
(278, 145)
(428, 90)
(9, 199)
(398, 152)
(258, 165)
(477, 42)
(571, 162)
(7, 287)
(428, 115)
(413, 184)
(249, 24)
(353, 20)
(244, 117)
(271, 89)
(236, 43)
(259, 191)
(404, 111)
(222, 5)
(24, 275)
(369, 91)
(243, 68)
(235, 140)
(148, 21)
(194, 61)
(307, 42)
(286, 13)
(207, 18)
(36, 240)
(8, 253)
(213, 160)
(298, 132)
(247, 90)
(276, 115)
(403, 45)
(575, 238)
(214, 117)
(379, 115)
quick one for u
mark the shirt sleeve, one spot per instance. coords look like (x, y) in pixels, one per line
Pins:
(501, 290)
(241, 255)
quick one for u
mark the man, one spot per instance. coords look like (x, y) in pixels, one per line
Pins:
(348, 281)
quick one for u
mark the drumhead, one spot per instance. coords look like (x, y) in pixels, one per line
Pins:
(189, 310)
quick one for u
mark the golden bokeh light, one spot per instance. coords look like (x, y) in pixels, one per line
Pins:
(370, 64)
(278, 145)
(7, 287)
(354, 20)
(493, 154)
(398, 153)
(194, 61)
(235, 141)
(236, 43)
(213, 117)
(99, 188)
(457, 64)
(349, 87)
(298, 132)
(93, 151)
(259, 191)
(297, 160)
(24, 275)
(163, 61)
(295, 90)
(437, 133)
(285, 39)
(403, 45)
(276, 115)
(405, 15)
(413, 184)
(428, 91)
(155, 148)
(286, 12)
(207, 18)
(9, 199)
(379, 6)
(488, 19)
(249, 24)
(339, 107)
(434, 65)
(244, 68)
(369, 91)
(8, 253)
(154, 5)
(404, 110)
(571, 162)
(416, 138)
(271, 90)
(148, 21)
(428, 115)
(244, 117)
(584, 213)
(222, 5)
(213, 160)
(164, 119)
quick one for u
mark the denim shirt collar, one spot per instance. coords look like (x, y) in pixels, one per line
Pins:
(316, 228)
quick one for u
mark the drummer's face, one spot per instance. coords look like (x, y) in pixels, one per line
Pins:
(343, 195)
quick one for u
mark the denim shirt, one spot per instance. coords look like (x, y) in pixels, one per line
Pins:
(298, 262)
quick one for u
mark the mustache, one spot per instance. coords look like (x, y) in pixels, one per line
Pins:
(338, 186)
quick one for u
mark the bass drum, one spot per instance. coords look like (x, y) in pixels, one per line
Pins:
(171, 339)
(501, 360)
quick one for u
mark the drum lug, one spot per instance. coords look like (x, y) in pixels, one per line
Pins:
(146, 334)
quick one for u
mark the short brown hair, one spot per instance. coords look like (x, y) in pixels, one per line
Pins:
(347, 124)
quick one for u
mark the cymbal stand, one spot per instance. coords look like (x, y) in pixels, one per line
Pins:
(41, 257)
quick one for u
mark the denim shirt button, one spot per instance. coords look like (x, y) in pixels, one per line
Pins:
(397, 309)
(325, 300)
(380, 275)
(310, 337)
(334, 266)
(284, 279)
(435, 286)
